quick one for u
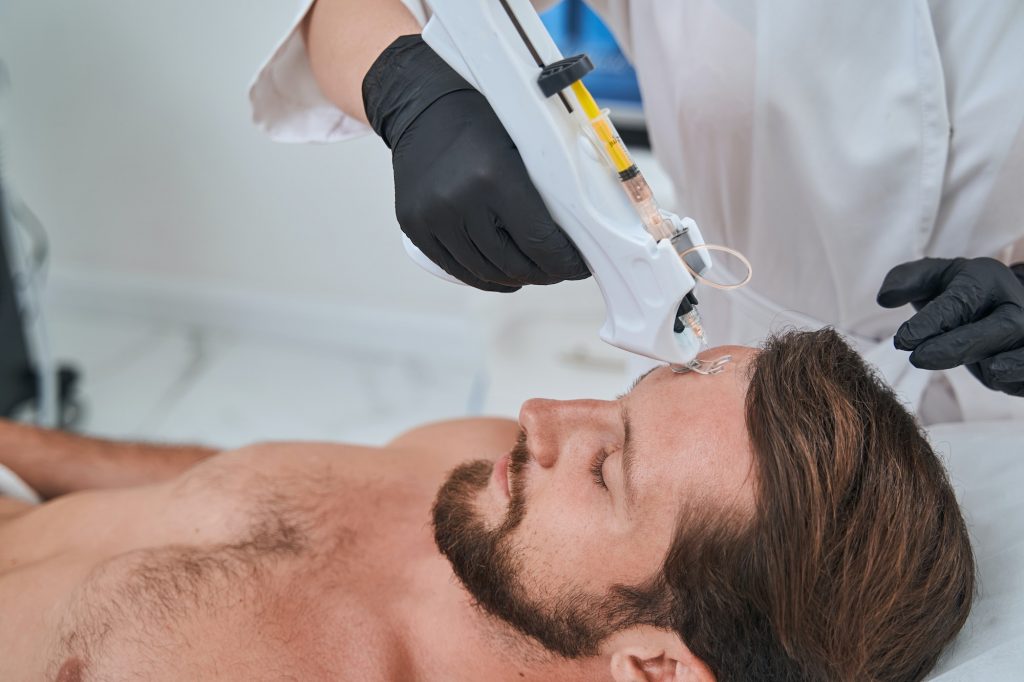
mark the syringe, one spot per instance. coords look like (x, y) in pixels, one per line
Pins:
(614, 151)
(607, 139)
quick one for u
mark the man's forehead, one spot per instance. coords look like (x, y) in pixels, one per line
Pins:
(691, 429)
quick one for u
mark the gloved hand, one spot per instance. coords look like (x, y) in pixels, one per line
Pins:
(970, 312)
(462, 194)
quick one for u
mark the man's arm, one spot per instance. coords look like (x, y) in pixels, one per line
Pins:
(56, 463)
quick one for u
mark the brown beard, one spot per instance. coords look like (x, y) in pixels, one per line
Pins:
(489, 566)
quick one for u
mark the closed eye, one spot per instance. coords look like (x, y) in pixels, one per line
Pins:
(597, 467)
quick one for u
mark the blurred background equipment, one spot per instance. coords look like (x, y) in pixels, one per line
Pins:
(17, 384)
(31, 385)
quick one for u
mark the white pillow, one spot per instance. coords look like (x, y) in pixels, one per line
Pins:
(12, 486)
(986, 465)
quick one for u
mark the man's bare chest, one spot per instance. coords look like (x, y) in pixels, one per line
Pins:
(291, 597)
(225, 613)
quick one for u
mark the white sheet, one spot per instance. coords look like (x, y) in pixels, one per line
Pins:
(11, 485)
(986, 465)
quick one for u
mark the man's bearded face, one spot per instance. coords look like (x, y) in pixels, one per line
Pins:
(488, 563)
(571, 551)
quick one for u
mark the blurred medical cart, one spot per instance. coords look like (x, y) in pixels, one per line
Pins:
(32, 386)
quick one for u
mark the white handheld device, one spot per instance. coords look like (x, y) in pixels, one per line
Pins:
(579, 165)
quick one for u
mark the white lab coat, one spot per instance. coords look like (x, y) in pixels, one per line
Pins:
(827, 141)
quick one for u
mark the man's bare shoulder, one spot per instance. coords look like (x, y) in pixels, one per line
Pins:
(424, 453)
(466, 438)
(460, 439)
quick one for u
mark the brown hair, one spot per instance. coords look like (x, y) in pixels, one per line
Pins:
(857, 564)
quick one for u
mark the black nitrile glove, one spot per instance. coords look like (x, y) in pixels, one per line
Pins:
(462, 194)
(970, 312)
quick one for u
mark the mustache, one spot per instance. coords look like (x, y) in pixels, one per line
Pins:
(518, 458)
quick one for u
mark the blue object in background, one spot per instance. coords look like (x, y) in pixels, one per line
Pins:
(576, 28)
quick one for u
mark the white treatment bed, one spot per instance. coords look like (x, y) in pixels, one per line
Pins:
(986, 465)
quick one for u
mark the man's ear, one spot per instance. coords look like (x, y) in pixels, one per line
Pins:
(648, 654)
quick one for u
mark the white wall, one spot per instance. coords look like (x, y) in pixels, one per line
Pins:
(126, 128)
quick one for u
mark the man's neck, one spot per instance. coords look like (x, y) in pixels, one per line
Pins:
(451, 639)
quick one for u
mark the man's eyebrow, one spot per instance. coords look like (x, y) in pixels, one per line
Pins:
(636, 382)
(628, 484)
(628, 455)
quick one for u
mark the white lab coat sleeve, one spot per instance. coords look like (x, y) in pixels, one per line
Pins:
(615, 15)
(286, 101)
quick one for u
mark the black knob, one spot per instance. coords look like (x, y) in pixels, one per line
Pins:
(559, 75)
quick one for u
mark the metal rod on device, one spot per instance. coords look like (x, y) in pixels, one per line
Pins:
(530, 47)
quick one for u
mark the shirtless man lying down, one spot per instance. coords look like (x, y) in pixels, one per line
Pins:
(784, 520)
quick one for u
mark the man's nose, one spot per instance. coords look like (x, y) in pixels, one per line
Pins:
(549, 424)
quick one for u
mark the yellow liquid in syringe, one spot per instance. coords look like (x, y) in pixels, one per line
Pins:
(633, 182)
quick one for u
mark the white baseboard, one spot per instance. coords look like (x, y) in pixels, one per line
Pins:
(445, 337)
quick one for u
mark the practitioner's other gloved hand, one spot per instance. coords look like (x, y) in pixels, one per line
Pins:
(462, 194)
(970, 312)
